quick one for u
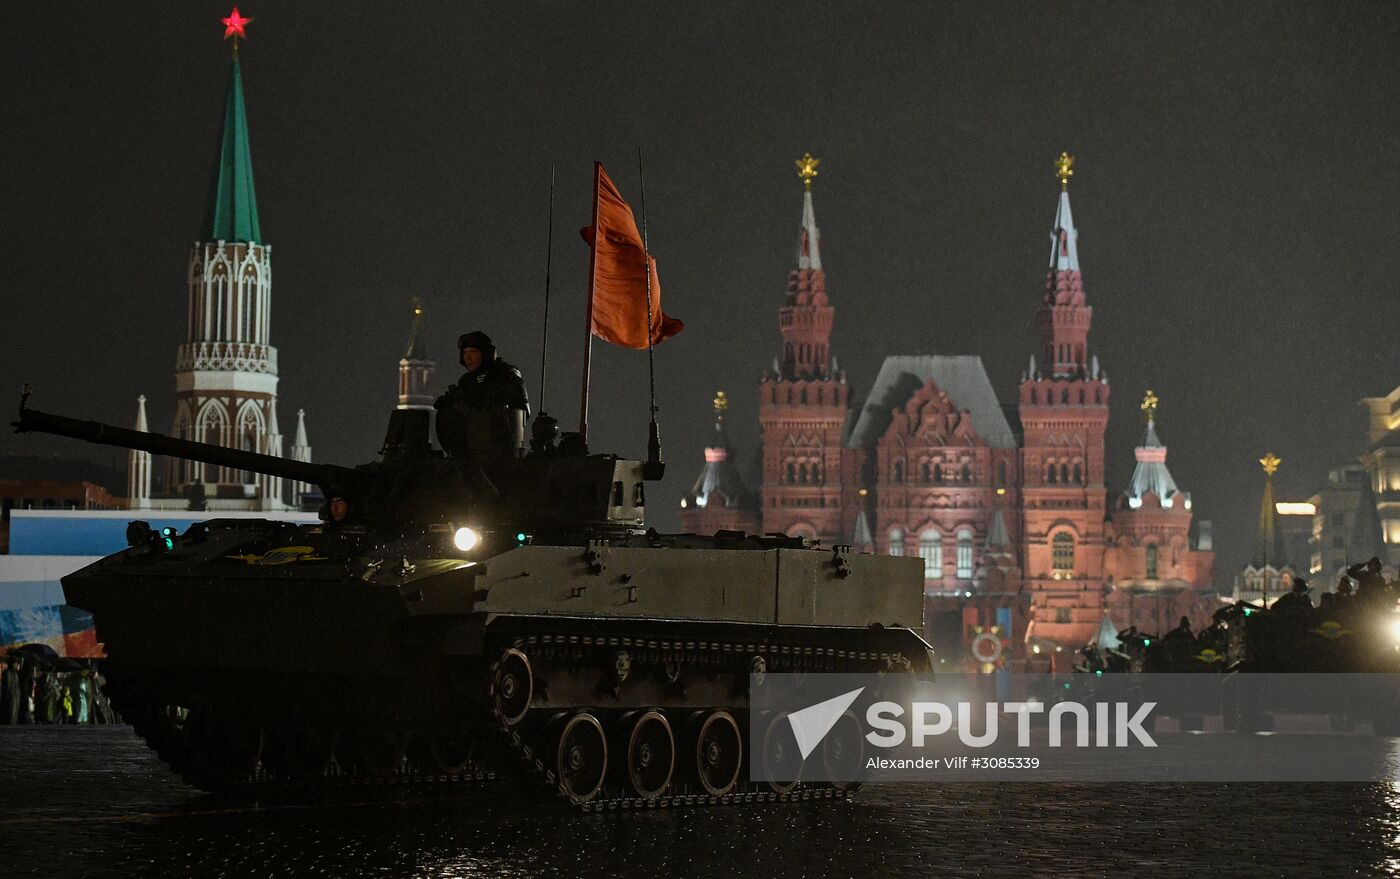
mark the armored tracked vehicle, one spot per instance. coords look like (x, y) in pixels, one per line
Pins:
(464, 622)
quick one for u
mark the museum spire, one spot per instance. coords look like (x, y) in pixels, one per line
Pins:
(1065, 316)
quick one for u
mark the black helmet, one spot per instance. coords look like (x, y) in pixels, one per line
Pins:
(478, 340)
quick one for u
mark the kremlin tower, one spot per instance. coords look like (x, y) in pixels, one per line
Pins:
(226, 370)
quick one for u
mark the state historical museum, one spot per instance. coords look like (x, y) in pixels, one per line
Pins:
(1026, 554)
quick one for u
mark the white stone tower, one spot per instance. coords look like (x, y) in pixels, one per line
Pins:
(138, 465)
(226, 371)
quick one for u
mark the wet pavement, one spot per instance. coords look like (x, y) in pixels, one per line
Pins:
(93, 801)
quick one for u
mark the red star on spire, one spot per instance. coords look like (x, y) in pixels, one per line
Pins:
(234, 25)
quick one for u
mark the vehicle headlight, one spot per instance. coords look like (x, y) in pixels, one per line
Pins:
(465, 539)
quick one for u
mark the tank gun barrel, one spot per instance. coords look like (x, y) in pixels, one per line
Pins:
(33, 421)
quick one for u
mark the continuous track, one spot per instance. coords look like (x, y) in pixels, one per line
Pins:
(556, 709)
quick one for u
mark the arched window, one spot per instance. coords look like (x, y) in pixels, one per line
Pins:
(1064, 474)
(1098, 395)
(1033, 396)
(1081, 396)
(1152, 561)
(184, 429)
(966, 472)
(249, 436)
(802, 473)
(1064, 396)
(820, 395)
(931, 551)
(1062, 553)
(250, 304)
(213, 428)
(816, 473)
(964, 554)
(896, 542)
(1001, 473)
(1078, 474)
(791, 473)
(804, 396)
(938, 474)
(1050, 473)
(924, 471)
(897, 473)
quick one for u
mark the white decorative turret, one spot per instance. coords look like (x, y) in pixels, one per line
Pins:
(138, 465)
(301, 451)
(271, 487)
(1151, 474)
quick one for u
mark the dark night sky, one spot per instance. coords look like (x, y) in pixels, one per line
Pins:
(1235, 189)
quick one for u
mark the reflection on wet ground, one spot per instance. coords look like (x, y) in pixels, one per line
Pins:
(92, 801)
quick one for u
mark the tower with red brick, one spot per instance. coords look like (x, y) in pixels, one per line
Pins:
(719, 500)
(1154, 575)
(804, 399)
(1064, 412)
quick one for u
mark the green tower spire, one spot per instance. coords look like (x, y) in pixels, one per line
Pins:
(234, 214)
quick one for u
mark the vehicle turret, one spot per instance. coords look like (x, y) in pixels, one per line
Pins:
(560, 488)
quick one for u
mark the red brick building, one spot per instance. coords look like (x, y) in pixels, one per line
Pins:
(1154, 573)
(1007, 508)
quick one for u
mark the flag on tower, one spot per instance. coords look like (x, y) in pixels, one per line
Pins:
(618, 285)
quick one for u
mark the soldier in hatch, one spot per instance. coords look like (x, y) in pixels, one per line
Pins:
(482, 417)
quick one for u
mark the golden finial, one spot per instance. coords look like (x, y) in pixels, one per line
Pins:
(1064, 169)
(721, 403)
(807, 169)
(1270, 462)
(1149, 406)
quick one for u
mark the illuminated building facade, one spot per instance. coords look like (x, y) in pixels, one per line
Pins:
(1007, 509)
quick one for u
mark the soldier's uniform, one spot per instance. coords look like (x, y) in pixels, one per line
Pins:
(482, 416)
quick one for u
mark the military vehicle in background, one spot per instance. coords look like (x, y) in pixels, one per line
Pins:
(1267, 660)
(516, 619)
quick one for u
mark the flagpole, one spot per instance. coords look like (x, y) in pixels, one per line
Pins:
(548, 259)
(588, 314)
(654, 466)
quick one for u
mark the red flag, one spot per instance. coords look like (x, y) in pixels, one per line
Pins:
(619, 285)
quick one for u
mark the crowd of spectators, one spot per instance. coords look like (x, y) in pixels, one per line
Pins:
(37, 686)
